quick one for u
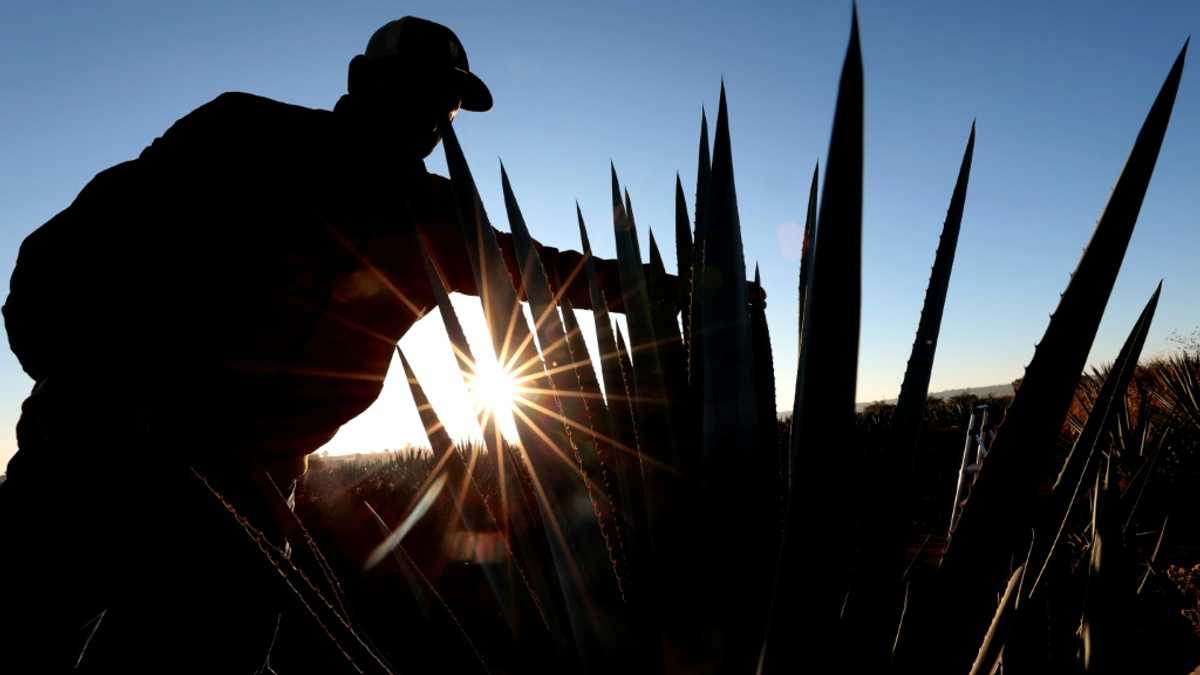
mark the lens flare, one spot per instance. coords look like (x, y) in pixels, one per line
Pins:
(495, 392)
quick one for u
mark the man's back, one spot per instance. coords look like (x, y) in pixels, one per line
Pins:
(204, 316)
(200, 278)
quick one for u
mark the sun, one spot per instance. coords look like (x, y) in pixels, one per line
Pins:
(495, 392)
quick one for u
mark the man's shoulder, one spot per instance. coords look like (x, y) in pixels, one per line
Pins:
(238, 119)
(239, 111)
(242, 103)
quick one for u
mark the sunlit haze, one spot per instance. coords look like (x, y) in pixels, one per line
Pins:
(392, 421)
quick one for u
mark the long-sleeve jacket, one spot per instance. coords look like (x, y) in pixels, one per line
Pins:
(239, 287)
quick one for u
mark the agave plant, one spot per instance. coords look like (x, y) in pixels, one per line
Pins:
(653, 524)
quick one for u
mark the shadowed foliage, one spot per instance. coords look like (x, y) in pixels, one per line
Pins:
(809, 589)
(659, 518)
(1001, 506)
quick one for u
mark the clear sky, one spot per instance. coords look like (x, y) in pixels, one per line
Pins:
(1059, 90)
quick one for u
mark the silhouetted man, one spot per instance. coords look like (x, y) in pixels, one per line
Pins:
(221, 304)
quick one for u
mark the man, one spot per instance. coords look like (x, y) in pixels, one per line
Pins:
(202, 317)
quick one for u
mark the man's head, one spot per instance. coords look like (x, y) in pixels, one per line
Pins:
(413, 76)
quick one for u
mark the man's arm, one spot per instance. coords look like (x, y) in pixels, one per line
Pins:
(565, 267)
(440, 227)
(568, 268)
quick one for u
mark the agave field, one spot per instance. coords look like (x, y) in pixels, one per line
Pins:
(660, 518)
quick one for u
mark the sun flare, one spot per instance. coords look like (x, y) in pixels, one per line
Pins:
(393, 421)
(495, 392)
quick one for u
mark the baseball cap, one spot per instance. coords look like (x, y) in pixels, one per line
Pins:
(420, 41)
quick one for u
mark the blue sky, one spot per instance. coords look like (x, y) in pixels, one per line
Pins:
(1059, 90)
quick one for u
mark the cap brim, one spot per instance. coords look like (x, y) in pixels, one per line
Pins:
(476, 96)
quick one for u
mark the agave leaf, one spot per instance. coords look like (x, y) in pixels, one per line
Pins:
(970, 449)
(635, 293)
(1000, 509)
(673, 546)
(728, 387)
(1032, 624)
(458, 339)
(589, 385)
(764, 380)
(672, 525)
(887, 526)
(1083, 455)
(1053, 374)
(435, 431)
(810, 234)
(1110, 601)
(510, 335)
(914, 389)
(604, 479)
(629, 259)
(696, 282)
(583, 368)
(392, 538)
(644, 464)
(448, 456)
(1137, 487)
(301, 595)
(987, 661)
(1162, 534)
(671, 353)
(623, 351)
(530, 556)
(664, 303)
(563, 375)
(683, 259)
(653, 417)
(556, 352)
(703, 178)
(419, 585)
(809, 589)
(618, 384)
(1179, 390)
(599, 303)
(664, 311)
(649, 648)
(629, 215)
(545, 453)
(536, 285)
